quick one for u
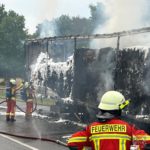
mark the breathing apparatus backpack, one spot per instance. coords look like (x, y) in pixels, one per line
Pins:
(8, 90)
(23, 94)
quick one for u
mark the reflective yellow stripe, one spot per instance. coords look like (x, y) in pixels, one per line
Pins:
(77, 139)
(29, 100)
(110, 136)
(141, 137)
(122, 144)
(97, 144)
(13, 98)
(121, 137)
(12, 114)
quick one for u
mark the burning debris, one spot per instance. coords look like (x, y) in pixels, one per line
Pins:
(84, 78)
(91, 72)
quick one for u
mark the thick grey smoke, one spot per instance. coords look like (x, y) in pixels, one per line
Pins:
(48, 29)
(47, 9)
(124, 15)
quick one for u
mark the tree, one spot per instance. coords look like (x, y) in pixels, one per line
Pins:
(2, 12)
(98, 16)
(66, 25)
(45, 29)
(13, 34)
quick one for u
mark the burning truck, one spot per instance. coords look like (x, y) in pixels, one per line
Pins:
(89, 73)
(125, 70)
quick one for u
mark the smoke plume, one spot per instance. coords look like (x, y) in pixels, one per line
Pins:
(43, 10)
(124, 15)
(46, 9)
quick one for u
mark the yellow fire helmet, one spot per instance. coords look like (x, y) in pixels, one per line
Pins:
(113, 100)
(26, 84)
(13, 81)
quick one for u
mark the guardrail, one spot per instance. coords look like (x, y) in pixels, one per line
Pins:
(94, 36)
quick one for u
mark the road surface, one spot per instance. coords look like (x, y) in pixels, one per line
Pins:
(13, 143)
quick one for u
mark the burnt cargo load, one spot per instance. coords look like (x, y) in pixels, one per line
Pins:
(96, 71)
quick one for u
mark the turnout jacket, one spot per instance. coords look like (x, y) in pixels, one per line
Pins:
(114, 134)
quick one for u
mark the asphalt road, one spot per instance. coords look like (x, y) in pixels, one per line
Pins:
(13, 143)
(36, 127)
(29, 134)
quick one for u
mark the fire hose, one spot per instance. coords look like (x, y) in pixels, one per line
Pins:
(2, 101)
(20, 107)
(33, 108)
(29, 137)
(35, 138)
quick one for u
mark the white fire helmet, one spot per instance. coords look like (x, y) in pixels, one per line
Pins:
(113, 100)
(13, 81)
(26, 84)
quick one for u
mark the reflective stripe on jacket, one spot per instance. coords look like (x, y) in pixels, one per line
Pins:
(114, 134)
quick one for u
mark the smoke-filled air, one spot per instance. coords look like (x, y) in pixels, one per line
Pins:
(123, 15)
(85, 62)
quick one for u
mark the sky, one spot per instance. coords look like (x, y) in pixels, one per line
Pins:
(36, 11)
(123, 14)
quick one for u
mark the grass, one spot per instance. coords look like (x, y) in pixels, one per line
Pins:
(40, 101)
(44, 101)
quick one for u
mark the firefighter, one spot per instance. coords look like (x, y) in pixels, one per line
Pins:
(109, 132)
(27, 94)
(11, 89)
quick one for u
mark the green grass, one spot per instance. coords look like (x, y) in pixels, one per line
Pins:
(44, 102)
(2, 92)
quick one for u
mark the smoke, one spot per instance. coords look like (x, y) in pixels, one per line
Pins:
(46, 9)
(47, 29)
(123, 15)
(146, 84)
(104, 66)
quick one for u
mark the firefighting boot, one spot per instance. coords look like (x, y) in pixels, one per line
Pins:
(27, 116)
(7, 118)
(12, 119)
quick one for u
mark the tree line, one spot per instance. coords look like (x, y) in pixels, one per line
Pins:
(13, 35)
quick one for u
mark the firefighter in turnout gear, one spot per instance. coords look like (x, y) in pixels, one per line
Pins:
(109, 132)
(11, 89)
(27, 94)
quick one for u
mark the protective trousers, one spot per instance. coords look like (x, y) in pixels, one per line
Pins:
(11, 108)
(29, 107)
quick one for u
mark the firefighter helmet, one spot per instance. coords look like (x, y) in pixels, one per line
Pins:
(31, 81)
(113, 100)
(13, 81)
(26, 84)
